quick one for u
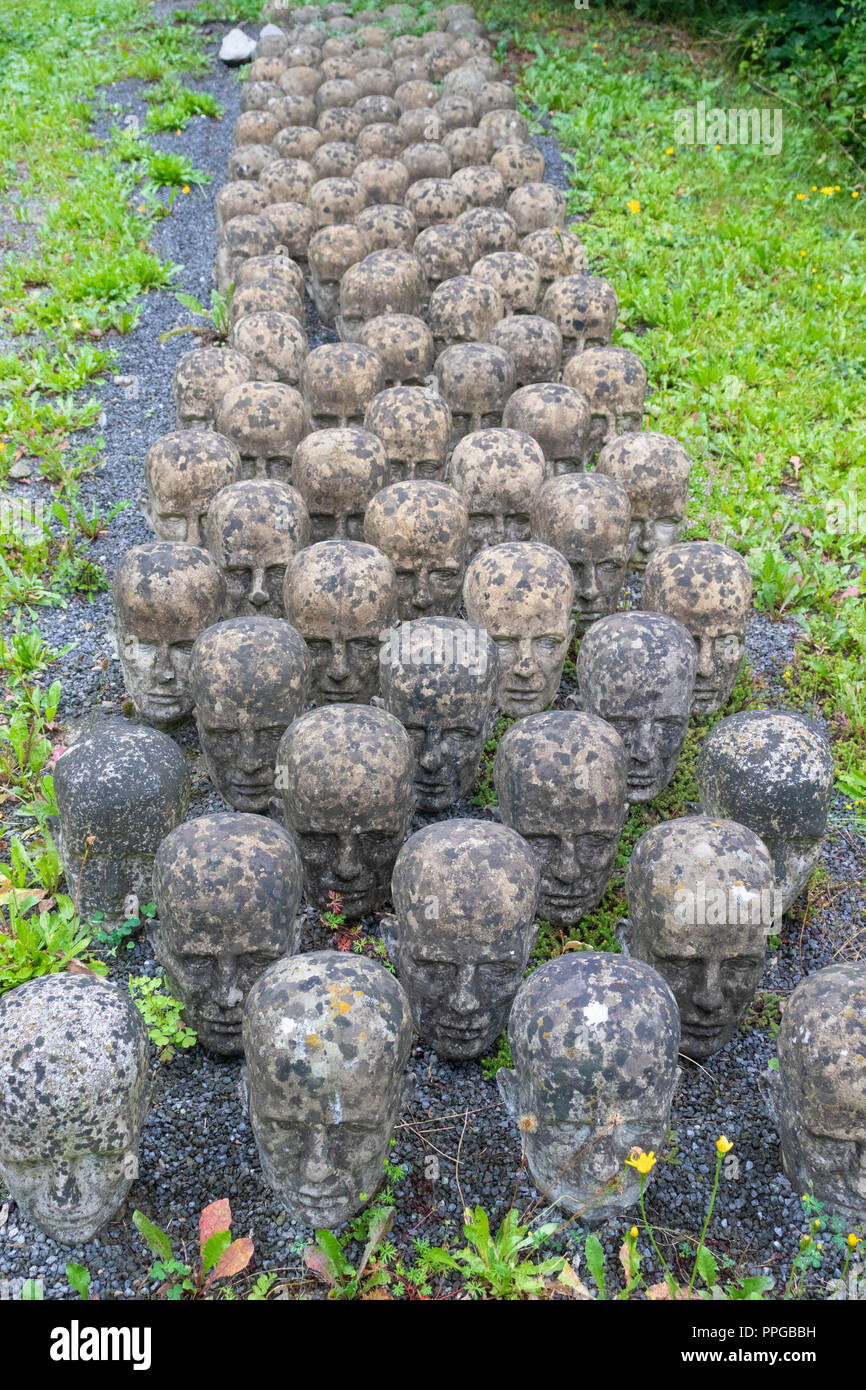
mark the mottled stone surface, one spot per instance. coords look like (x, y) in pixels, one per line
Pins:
(561, 783)
(654, 470)
(515, 278)
(464, 895)
(118, 791)
(388, 224)
(327, 1038)
(492, 229)
(476, 380)
(439, 677)
(613, 382)
(253, 529)
(444, 251)
(637, 672)
(585, 516)
(183, 472)
(337, 473)
(346, 775)
(250, 678)
(423, 529)
(339, 382)
(74, 1094)
(164, 594)
(273, 342)
(404, 345)
(332, 251)
(227, 892)
(594, 1039)
(773, 772)
(434, 200)
(817, 1098)
(385, 282)
(708, 587)
(497, 473)
(558, 417)
(701, 904)
(481, 186)
(201, 379)
(584, 309)
(534, 345)
(537, 205)
(266, 420)
(462, 310)
(341, 595)
(414, 426)
(523, 593)
(519, 164)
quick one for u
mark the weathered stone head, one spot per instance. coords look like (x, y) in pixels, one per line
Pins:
(339, 382)
(537, 205)
(432, 201)
(262, 297)
(492, 229)
(534, 345)
(504, 126)
(327, 1038)
(183, 472)
(201, 378)
(654, 470)
(341, 595)
(708, 587)
(497, 473)
(250, 678)
(273, 342)
(467, 147)
(387, 224)
(383, 180)
(337, 159)
(518, 164)
(337, 473)
(164, 594)
(75, 1091)
(414, 426)
(557, 253)
(585, 516)
(119, 792)
(404, 345)
(346, 775)
(773, 772)
(481, 186)
(558, 417)
(817, 1098)
(332, 251)
(637, 672)
(445, 252)
(423, 529)
(381, 140)
(462, 310)
(523, 593)
(266, 421)
(476, 380)
(438, 676)
(426, 159)
(465, 893)
(584, 309)
(561, 783)
(227, 892)
(514, 277)
(594, 1039)
(253, 529)
(613, 381)
(701, 905)
(385, 282)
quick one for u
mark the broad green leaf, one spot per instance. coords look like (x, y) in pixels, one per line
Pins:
(594, 1255)
(157, 1241)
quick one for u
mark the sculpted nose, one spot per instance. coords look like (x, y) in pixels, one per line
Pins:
(708, 994)
(588, 587)
(348, 865)
(258, 592)
(647, 536)
(524, 665)
(64, 1187)
(338, 670)
(227, 994)
(566, 863)
(642, 751)
(162, 668)
(464, 1000)
(430, 758)
(316, 1167)
(705, 657)
(422, 598)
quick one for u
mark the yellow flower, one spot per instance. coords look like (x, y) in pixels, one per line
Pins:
(633, 205)
(853, 1241)
(177, 132)
(814, 188)
(802, 253)
(633, 1234)
(669, 150)
(724, 1145)
(855, 194)
(718, 147)
(644, 1163)
(801, 196)
(186, 188)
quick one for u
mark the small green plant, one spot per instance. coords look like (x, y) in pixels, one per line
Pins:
(220, 1257)
(122, 935)
(497, 1266)
(173, 170)
(34, 943)
(352, 938)
(499, 1057)
(173, 107)
(216, 316)
(765, 1011)
(79, 1280)
(162, 1014)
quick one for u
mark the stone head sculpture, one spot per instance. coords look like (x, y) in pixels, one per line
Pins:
(497, 473)
(534, 344)
(332, 251)
(341, 595)
(594, 1038)
(464, 897)
(426, 159)
(773, 772)
(266, 420)
(480, 185)
(558, 417)
(654, 470)
(183, 472)
(250, 678)
(327, 1038)
(585, 516)
(387, 224)
(252, 530)
(817, 1098)
(273, 342)
(701, 904)
(584, 309)
(518, 164)
(414, 426)
(557, 253)
(346, 774)
(522, 593)
(445, 252)
(75, 1088)
(227, 891)
(404, 344)
(463, 310)
(337, 473)
(201, 379)
(383, 180)
(708, 587)
(561, 783)
(385, 282)
(119, 792)
(637, 672)
(423, 529)
(492, 229)
(613, 381)
(165, 594)
(432, 201)
(438, 676)
(514, 277)
(476, 380)
(339, 382)
(536, 205)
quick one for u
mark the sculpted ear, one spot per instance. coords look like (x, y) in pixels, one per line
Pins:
(506, 1080)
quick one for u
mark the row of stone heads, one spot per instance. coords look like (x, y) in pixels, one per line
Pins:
(594, 1037)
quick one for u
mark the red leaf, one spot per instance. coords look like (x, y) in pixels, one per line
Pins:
(235, 1258)
(214, 1218)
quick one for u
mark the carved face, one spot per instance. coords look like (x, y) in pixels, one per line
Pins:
(584, 309)
(534, 345)
(119, 792)
(476, 380)
(265, 420)
(708, 587)
(637, 672)
(817, 1096)
(497, 473)
(535, 205)
(572, 1023)
(338, 472)
(332, 251)
(340, 596)
(700, 896)
(422, 527)
(227, 890)
(444, 252)
(327, 1038)
(75, 1082)
(253, 529)
(339, 382)
(164, 596)
(654, 470)
(274, 343)
(464, 901)
(774, 773)
(557, 416)
(463, 310)
(561, 781)
(184, 471)
(385, 282)
(522, 593)
(346, 774)
(250, 679)
(201, 379)
(614, 383)
(586, 518)
(414, 426)
(438, 677)
(404, 344)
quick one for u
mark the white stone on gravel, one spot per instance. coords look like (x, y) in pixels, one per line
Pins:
(236, 48)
